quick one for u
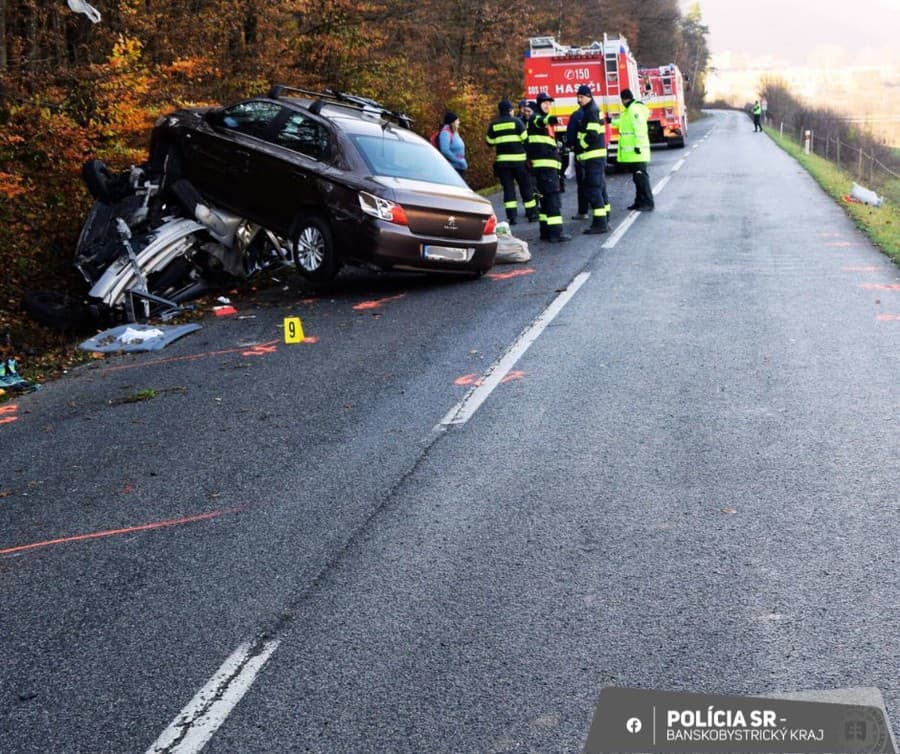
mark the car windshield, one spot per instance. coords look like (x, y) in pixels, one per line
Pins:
(394, 158)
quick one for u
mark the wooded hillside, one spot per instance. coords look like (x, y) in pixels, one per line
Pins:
(71, 89)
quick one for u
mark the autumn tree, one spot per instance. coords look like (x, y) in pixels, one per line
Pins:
(71, 89)
(692, 56)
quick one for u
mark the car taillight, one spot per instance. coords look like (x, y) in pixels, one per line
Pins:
(490, 225)
(382, 208)
(398, 215)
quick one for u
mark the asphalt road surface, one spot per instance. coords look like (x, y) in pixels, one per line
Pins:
(664, 458)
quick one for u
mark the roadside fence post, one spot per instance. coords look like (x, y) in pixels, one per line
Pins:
(806, 140)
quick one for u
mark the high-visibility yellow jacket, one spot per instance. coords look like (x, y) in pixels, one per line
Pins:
(633, 133)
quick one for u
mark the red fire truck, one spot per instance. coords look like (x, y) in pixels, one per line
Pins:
(607, 67)
(662, 91)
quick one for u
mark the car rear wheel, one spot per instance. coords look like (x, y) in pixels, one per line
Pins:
(312, 244)
(60, 311)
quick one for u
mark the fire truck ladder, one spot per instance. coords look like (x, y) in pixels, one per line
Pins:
(611, 44)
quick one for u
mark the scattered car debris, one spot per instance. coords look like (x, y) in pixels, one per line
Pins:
(137, 337)
(866, 196)
(10, 379)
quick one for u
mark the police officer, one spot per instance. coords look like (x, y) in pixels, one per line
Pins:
(757, 114)
(507, 135)
(544, 157)
(634, 149)
(590, 153)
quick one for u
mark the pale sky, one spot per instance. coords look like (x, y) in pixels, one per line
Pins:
(801, 32)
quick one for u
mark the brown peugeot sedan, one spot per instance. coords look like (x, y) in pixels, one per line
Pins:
(344, 179)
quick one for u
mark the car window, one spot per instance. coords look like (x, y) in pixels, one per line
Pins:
(251, 118)
(303, 135)
(387, 156)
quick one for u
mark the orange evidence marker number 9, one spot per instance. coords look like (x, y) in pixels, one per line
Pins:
(293, 330)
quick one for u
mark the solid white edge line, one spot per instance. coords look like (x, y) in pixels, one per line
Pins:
(678, 165)
(478, 394)
(190, 731)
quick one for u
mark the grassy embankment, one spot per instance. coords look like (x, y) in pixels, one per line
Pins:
(881, 224)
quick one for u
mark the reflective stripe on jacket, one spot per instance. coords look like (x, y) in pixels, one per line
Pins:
(541, 145)
(633, 133)
(590, 143)
(507, 135)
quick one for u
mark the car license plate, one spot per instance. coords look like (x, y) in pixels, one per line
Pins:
(447, 253)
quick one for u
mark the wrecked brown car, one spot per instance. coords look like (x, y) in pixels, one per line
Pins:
(341, 177)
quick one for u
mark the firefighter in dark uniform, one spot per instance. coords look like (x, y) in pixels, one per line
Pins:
(572, 143)
(590, 153)
(507, 135)
(543, 155)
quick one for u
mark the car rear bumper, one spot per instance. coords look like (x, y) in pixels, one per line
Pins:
(388, 245)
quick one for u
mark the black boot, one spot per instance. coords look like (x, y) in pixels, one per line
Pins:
(644, 200)
(600, 225)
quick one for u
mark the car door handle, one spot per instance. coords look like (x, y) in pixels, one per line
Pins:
(241, 153)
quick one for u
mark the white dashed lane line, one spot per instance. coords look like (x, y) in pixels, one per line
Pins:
(200, 719)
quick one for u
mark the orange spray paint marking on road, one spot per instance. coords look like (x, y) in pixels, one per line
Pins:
(513, 376)
(310, 339)
(190, 357)
(508, 275)
(375, 303)
(860, 269)
(6, 412)
(8, 419)
(888, 317)
(842, 244)
(467, 380)
(880, 286)
(114, 532)
(260, 350)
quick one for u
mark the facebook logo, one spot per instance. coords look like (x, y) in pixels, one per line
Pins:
(855, 730)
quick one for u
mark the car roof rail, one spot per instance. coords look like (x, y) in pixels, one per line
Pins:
(343, 99)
